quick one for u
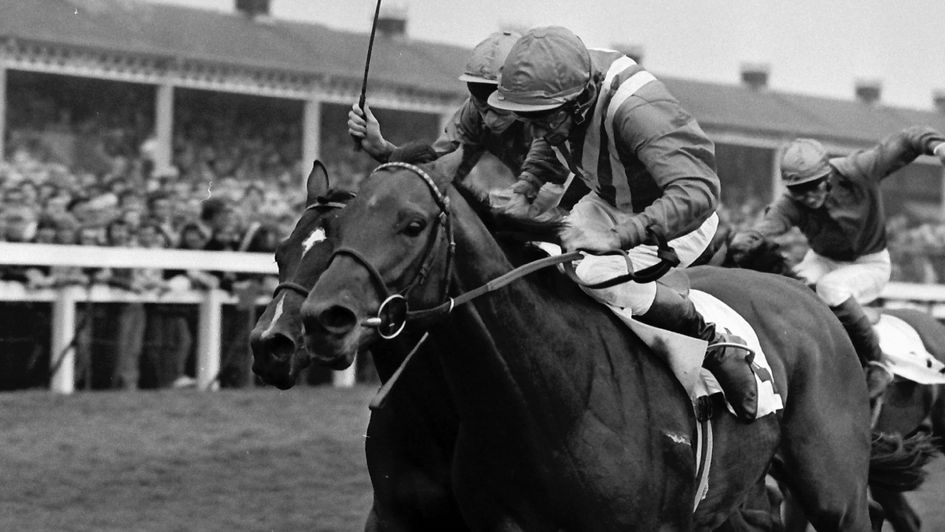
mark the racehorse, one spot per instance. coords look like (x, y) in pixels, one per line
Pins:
(907, 408)
(568, 420)
(410, 439)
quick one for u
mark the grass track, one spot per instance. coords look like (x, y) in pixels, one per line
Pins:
(234, 460)
(256, 459)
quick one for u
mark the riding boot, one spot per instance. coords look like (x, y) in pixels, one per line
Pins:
(866, 343)
(730, 365)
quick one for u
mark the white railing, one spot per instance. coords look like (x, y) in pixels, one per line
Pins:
(930, 298)
(927, 297)
(65, 299)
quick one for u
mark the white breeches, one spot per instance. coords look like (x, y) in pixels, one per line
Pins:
(595, 213)
(835, 282)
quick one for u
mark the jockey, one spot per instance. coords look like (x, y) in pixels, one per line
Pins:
(479, 129)
(837, 204)
(649, 166)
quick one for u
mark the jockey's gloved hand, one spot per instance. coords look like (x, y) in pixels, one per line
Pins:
(363, 125)
(747, 240)
(520, 196)
(743, 246)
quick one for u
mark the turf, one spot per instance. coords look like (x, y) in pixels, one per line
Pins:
(234, 460)
(255, 459)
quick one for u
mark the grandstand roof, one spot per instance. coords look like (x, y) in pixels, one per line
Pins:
(774, 113)
(233, 38)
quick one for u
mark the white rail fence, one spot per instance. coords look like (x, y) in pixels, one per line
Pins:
(64, 300)
(930, 298)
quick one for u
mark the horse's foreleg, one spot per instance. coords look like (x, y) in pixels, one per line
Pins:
(897, 510)
(826, 450)
(792, 514)
(937, 415)
(375, 523)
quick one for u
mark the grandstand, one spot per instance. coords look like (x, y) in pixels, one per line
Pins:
(121, 118)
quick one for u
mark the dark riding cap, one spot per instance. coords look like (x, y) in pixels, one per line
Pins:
(804, 160)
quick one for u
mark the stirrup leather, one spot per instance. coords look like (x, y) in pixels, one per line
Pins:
(749, 358)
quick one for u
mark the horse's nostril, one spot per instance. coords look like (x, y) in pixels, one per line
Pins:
(337, 319)
(279, 346)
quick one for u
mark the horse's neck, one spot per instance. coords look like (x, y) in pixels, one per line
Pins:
(389, 355)
(525, 351)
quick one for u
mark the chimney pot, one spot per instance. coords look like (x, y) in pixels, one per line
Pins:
(755, 75)
(938, 98)
(392, 21)
(868, 91)
(253, 8)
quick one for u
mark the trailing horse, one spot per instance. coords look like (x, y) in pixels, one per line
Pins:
(568, 420)
(909, 410)
(410, 440)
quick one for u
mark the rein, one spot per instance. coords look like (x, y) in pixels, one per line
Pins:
(393, 313)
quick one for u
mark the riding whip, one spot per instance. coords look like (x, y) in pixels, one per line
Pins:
(367, 66)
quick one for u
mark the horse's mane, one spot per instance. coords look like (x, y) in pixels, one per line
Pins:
(504, 226)
(507, 227)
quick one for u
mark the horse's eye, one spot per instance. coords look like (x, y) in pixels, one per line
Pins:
(414, 228)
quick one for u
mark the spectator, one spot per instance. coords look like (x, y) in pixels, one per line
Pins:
(130, 315)
(162, 214)
(45, 231)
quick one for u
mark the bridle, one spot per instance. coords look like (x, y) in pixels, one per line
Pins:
(393, 313)
(321, 203)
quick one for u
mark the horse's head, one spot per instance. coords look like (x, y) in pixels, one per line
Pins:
(393, 246)
(276, 340)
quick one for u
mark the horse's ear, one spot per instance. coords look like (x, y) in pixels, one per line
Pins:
(449, 164)
(317, 183)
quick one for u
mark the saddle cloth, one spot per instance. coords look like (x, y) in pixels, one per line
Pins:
(685, 354)
(906, 353)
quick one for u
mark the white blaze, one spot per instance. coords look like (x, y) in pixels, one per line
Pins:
(317, 236)
(275, 315)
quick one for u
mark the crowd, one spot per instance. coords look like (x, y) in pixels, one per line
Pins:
(75, 176)
(45, 202)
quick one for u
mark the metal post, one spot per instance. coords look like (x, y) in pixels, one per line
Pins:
(208, 340)
(63, 331)
(164, 127)
(346, 377)
(777, 187)
(3, 111)
(445, 118)
(311, 134)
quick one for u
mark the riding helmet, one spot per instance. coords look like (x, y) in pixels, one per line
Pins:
(487, 57)
(545, 69)
(804, 160)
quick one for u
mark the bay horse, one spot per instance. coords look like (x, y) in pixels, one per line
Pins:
(410, 439)
(568, 421)
(907, 409)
